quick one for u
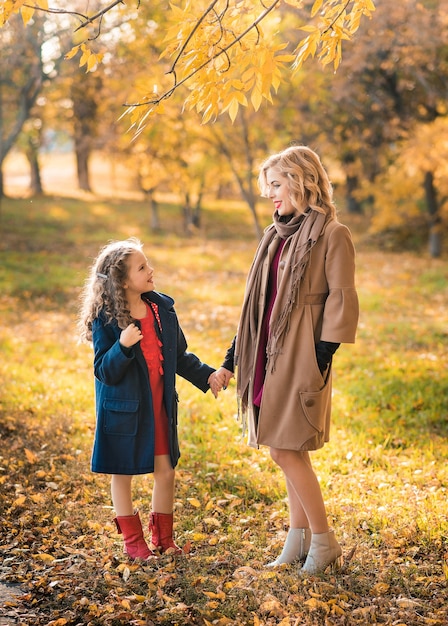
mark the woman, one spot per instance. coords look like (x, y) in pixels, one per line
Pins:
(300, 304)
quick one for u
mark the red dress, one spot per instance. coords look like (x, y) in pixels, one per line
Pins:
(152, 351)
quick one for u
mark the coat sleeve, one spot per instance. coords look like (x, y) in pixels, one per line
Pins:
(190, 367)
(341, 311)
(110, 362)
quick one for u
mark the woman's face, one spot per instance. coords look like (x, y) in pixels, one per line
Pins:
(279, 191)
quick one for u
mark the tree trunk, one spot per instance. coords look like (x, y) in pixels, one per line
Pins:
(245, 180)
(435, 222)
(32, 154)
(353, 205)
(187, 211)
(82, 149)
(85, 94)
(154, 208)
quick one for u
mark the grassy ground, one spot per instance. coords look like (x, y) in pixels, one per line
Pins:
(384, 474)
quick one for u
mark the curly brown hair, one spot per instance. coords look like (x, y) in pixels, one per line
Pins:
(103, 290)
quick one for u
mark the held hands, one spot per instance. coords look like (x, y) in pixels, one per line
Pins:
(219, 380)
(130, 336)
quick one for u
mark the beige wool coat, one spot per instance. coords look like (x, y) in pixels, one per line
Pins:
(296, 404)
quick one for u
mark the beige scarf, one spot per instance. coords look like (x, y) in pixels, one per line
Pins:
(304, 230)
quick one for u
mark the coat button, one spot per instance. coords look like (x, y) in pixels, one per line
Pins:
(309, 402)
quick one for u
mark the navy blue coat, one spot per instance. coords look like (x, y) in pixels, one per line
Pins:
(124, 435)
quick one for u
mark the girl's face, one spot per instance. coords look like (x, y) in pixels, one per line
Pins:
(279, 191)
(140, 274)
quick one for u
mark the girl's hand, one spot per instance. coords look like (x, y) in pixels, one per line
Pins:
(130, 336)
(214, 384)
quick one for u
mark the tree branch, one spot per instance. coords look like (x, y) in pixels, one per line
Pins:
(222, 51)
(85, 19)
(188, 39)
(100, 14)
(330, 26)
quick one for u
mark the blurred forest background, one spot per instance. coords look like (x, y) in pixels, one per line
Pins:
(380, 122)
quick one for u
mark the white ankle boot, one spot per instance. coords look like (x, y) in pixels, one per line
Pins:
(296, 546)
(324, 551)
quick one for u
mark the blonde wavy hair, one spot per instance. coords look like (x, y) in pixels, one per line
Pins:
(103, 290)
(308, 181)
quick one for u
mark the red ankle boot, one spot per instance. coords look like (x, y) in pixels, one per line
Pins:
(161, 528)
(135, 545)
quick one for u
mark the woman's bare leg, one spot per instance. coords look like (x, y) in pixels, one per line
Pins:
(302, 481)
(297, 515)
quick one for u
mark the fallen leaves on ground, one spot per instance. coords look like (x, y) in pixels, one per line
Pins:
(59, 544)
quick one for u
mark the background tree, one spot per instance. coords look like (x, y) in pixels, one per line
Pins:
(21, 79)
(392, 81)
(85, 94)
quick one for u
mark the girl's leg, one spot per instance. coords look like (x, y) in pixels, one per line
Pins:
(120, 488)
(127, 520)
(302, 481)
(161, 524)
(163, 490)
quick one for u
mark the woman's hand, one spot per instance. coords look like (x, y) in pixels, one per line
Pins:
(224, 376)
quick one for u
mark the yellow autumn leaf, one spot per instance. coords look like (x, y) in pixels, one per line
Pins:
(92, 62)
(337, 610)
(27, 14)
(316, 7)
(313, 603)
(31, 456)
(233, 109)
(42, 556)
(37, 498)
(380, 589)
(215, 596)
(71, 53)
(194, 502)
(19, 501)
(256, 98)
(138, 598)
(273, 607)
(85, 56)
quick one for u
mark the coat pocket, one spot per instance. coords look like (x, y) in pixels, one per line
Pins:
(315, 406)
(120, 417)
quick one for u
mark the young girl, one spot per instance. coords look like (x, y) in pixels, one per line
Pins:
(139, 348)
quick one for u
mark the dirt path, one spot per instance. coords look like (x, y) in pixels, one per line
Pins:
(8, 614)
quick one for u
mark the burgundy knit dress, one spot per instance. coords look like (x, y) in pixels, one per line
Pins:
(260, 367)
